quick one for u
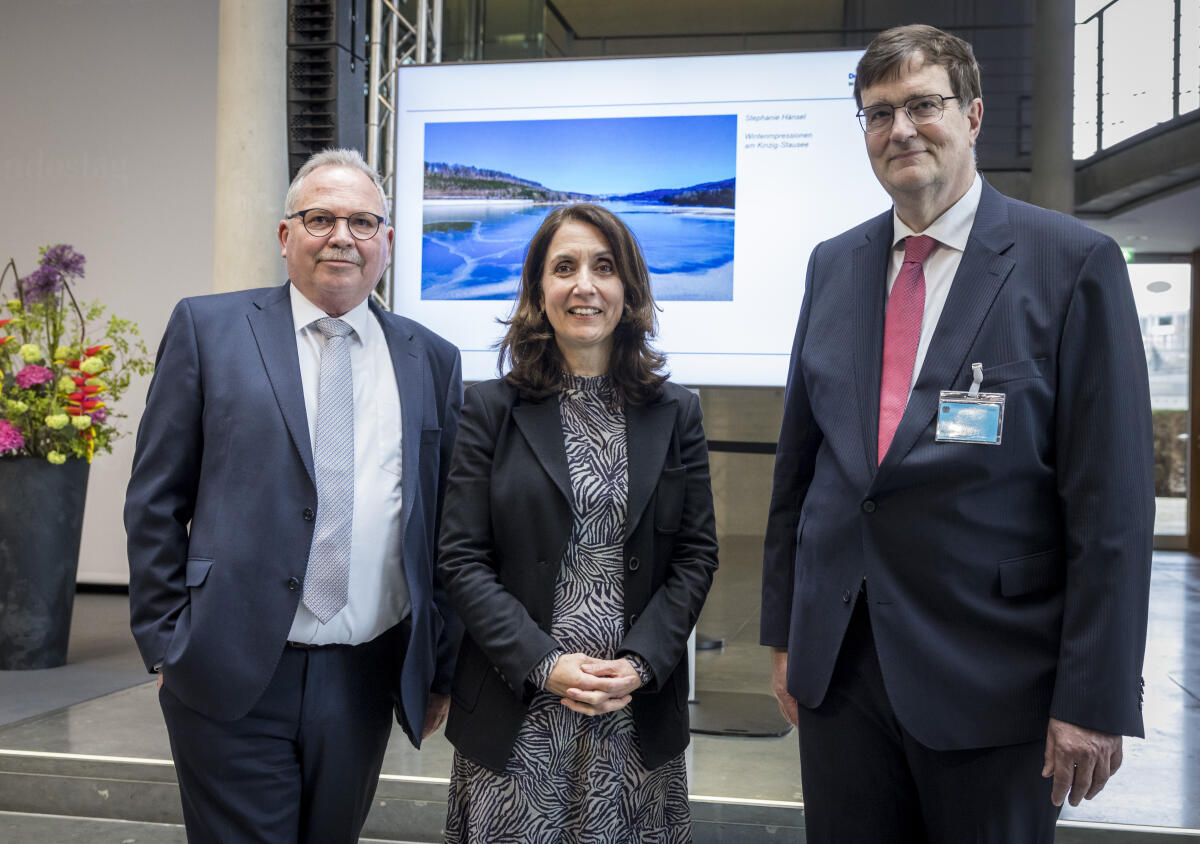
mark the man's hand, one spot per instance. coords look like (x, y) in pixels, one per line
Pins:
(586, 693)
(158, 688)
(1080, 760)
(435, 713)
(787, 703)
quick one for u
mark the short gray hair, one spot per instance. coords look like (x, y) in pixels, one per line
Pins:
(341, 157)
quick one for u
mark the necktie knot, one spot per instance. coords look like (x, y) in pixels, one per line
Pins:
(917, 248)
(332, 327)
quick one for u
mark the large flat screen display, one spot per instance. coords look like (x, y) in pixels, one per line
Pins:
(728, 169)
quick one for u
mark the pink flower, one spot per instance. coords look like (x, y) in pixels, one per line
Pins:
(33, 374)
(10, 437)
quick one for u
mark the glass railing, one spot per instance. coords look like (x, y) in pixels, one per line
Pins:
(1137, 64)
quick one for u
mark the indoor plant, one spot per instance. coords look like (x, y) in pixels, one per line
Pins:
(62, 365)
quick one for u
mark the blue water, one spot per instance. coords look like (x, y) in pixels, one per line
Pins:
(475, 251)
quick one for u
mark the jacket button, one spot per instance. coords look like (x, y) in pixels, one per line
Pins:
(868, 506)
(846, 596)
(293, 584)
(309, 515)
(634, 562)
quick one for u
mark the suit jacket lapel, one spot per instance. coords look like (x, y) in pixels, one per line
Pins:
(648, 433)
(405, 352)
(869, 277)
(982, 272)
(271, 323)
(648, 428)
(540, 422)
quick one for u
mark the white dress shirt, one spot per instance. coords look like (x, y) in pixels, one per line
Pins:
(951, 231)
(378, 593)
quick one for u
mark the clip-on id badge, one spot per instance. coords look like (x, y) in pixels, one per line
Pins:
(970, 417)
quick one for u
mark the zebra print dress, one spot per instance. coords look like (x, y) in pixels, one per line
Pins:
(575, 779)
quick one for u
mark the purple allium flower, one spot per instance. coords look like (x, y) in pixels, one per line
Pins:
(66, 259)
(41, 284)
(99, 414)
(33, 374)
(57, 265)
(10, 437)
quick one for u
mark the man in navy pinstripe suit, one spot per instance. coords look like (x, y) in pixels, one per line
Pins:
(958, 621)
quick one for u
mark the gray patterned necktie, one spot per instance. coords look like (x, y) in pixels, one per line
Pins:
(328, 577)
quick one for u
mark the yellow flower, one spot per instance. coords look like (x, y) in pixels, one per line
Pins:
(63, 353)
(56, 458)
(14, 305)
(16, 408)
(92, 366)
(58, 421)
(81, 422)
(66, 385)
(30, 353)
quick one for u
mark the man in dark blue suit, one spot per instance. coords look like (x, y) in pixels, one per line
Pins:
(957, 556)
(282, 518)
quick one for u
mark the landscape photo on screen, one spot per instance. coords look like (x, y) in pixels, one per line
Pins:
(488, 186)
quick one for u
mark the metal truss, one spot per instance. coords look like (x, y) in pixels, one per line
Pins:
(397, 38)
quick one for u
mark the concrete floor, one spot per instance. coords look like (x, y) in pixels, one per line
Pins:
(1159, 785)
(28, 828)
(101, 658)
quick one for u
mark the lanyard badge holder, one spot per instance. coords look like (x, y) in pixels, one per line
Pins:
(970, 417)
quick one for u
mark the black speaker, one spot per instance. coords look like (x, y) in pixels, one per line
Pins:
(326, 77)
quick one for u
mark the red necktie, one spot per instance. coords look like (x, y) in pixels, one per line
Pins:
(901, 334)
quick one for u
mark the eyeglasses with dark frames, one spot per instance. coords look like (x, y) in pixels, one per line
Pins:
(319, 222)
(922, 110)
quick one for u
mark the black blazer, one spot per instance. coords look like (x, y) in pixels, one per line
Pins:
(1007, 583)
(507, 523)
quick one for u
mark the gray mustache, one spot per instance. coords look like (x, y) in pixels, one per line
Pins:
(339, 255)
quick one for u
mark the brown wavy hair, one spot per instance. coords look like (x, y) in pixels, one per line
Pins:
(889, 54)
(537, 366)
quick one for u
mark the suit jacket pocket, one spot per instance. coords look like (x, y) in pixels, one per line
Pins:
(668, 504)
(1017, 370)
(1032, 573)
(197, 570)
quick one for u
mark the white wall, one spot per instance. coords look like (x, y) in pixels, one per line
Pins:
(108, 109)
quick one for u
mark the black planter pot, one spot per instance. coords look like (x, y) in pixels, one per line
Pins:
(41, 521)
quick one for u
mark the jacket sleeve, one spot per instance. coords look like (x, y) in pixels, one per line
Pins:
(795, 460)
(1104, 443)
(468, 561)
(661, 631)
(162, 489)
(451, 631)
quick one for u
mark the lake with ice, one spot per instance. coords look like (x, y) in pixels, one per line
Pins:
(473, 249)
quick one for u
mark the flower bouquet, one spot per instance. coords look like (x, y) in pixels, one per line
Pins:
(62, 363)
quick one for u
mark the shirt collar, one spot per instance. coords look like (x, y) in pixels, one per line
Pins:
(953, 227)
(304, 313)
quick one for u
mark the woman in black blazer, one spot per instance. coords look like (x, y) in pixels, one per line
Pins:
(578, 546)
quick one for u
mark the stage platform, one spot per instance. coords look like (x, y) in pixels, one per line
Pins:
(99, 770)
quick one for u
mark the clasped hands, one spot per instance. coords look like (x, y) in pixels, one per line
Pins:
(593, 686)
